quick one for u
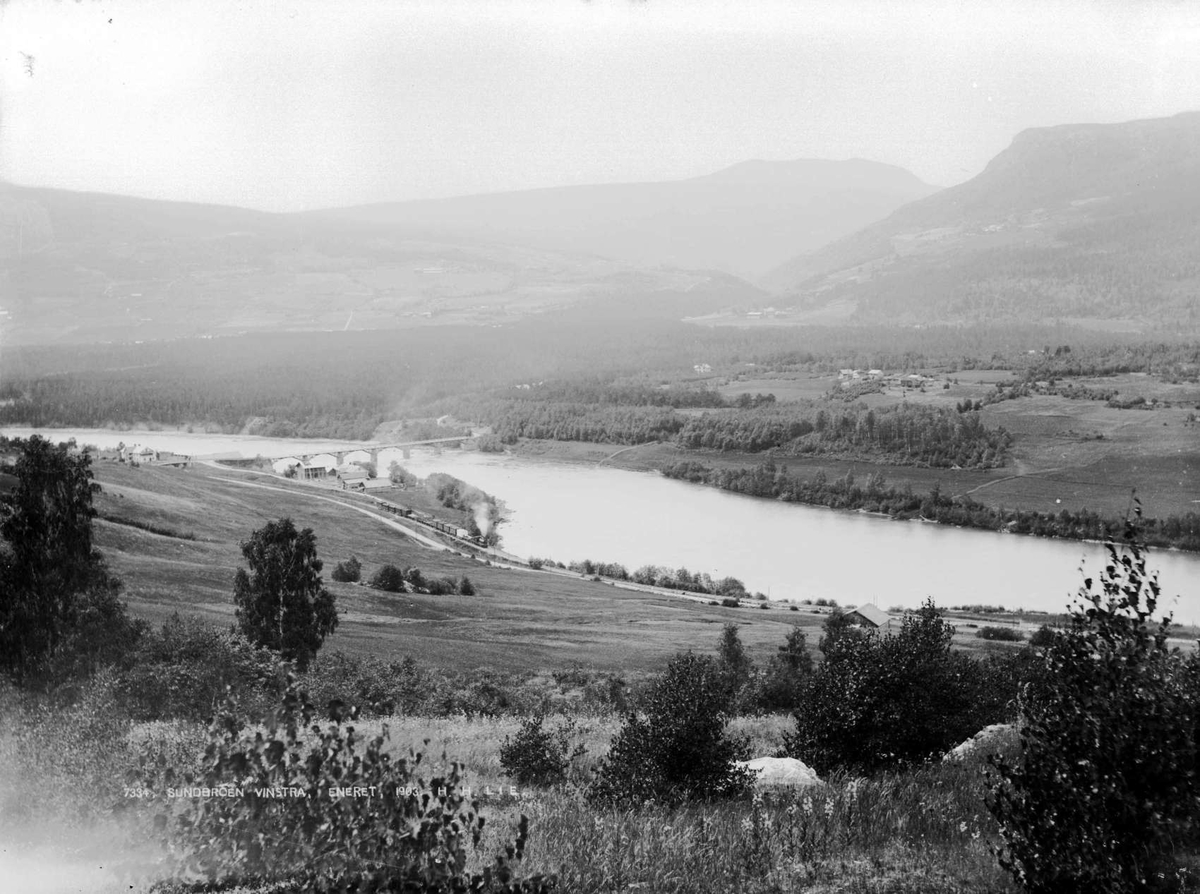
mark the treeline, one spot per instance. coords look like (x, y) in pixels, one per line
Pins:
(1170, 362)
(874, 494)
(906, 434)
(342, 384)
(658, 576)
(625, 393)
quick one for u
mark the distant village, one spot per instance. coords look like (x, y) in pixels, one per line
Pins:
(850, 377)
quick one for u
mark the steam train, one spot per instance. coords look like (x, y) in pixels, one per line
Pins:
(428, 520)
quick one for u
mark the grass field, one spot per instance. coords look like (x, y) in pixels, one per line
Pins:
(521, 620)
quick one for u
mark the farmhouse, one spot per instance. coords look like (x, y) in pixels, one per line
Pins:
(351, 476)
(320, 465)
(871, 617)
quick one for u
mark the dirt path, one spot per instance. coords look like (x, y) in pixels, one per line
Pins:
(1034, 474)
(625, 450)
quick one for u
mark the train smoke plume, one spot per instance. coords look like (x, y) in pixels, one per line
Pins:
(483, 520)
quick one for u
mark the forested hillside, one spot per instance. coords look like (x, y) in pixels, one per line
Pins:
(1075, 221)
(343, 384)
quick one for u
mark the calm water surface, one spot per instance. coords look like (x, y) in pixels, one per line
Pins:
(569, 512)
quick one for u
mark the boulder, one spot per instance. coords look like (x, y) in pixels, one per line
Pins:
(781, 771)
(986, 741)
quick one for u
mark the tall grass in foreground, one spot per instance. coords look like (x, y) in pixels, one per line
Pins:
(926, 830)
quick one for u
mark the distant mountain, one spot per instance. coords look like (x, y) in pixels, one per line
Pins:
(93, 267)
(1081, 221)
(743, 220)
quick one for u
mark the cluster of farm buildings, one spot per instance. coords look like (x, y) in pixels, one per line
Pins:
(350, 473)
(912, 380)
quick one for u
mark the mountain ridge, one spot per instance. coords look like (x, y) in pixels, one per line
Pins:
(1074, 216)
(742, 219)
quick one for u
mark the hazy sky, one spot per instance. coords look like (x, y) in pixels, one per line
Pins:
(290, 105)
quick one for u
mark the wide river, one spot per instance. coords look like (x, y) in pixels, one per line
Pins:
(568, 511)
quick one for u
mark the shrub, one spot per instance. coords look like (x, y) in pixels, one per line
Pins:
(1105, 788)
(465, 587)
(388, 578)
(408, 835)
(348, 572)
(366, 681)
(538, 756)
(1042, 637)
(1001, 634)
(878, 702)
(679, 750)
(184, 669)
(729, 602)
(441, 586)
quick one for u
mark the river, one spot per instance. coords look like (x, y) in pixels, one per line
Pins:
(571, 511)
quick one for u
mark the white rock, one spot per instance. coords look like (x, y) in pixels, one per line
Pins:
(781, 771)
(989, 737)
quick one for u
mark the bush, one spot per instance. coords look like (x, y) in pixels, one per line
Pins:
(348, 572)
(1042, 637)
(183, 670)
(879, 702)
(679, 750)
(409, 835)
(1105, 789)
(465, 587)
(441, 586)
(730, 603)
(1001, 634)
(537, 756)
(388, 578)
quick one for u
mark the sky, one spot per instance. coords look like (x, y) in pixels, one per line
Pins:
(295, 105)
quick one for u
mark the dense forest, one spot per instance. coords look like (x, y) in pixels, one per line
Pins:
(343, 384)
(874, 494)
(908, 434)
